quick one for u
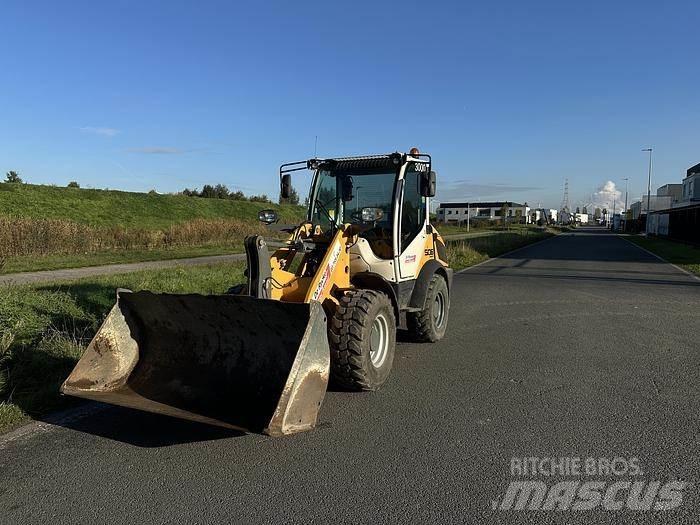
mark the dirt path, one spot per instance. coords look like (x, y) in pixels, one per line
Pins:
(111, 269)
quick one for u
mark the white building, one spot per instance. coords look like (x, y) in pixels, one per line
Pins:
(457, 212)
(581, 218)
(540, 213)
(691, 185)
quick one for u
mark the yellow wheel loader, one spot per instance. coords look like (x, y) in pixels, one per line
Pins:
(325, 304)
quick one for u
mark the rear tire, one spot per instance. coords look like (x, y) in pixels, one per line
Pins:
(362, 338)
(429, 325)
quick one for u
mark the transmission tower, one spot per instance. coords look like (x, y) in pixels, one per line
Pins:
(565, 200)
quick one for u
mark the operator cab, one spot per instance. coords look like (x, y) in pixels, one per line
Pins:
(383, 199)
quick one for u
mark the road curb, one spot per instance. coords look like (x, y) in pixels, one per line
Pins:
(691, 274)
(56, 419)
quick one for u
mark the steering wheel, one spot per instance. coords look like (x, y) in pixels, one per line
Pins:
(356, 217)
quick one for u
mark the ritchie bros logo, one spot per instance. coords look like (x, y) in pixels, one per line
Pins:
(602, 483)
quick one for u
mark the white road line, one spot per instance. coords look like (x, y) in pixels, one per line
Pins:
(507, 253)
(691, 274)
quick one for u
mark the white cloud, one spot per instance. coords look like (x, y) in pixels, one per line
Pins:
(605, 196)
(158, 151)
(105, 132)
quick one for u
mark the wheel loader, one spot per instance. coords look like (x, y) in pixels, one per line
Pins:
(324, 305)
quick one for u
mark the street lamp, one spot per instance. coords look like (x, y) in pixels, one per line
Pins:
(648, 190)
(626, 179)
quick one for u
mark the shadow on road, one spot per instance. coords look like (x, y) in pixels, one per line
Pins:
(140, 429)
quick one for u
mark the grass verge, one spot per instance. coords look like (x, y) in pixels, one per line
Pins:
(45, 328)
(684, 255)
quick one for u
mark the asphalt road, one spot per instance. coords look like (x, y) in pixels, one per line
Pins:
(582, 345)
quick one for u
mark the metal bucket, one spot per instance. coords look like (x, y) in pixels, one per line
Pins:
(235, 361)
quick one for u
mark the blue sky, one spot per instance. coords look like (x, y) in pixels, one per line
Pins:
(509, 97)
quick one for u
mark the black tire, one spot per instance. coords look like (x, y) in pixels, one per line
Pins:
(362, 338)
(429, 325)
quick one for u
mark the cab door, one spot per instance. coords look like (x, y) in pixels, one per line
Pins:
(413, 237)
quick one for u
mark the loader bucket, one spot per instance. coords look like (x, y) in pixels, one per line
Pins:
(235, 361)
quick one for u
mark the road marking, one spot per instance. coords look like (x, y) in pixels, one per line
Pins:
(660, 258)
(507, 253)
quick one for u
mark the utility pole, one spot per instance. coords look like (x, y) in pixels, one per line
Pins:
(626, 179)
(648, 190)
(468, 210)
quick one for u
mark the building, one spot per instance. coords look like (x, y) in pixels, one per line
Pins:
(581, 218)
(457, 212)
(656, 203)
(691, 185)
(675, 191)
(538, 215)
(680, 219)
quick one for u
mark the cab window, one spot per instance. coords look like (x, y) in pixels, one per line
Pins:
(413, 209)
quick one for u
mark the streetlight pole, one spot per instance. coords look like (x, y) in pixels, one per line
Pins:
(626, 179)
(648, 189)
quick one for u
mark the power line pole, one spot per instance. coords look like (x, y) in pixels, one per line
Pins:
(648, 190)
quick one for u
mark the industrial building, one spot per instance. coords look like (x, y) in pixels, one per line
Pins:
(457, 212)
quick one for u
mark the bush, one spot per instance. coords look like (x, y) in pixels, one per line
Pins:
(73, 184)
(13, 177)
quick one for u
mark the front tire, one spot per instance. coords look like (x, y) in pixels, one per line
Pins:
(429, 325)
(362, 340)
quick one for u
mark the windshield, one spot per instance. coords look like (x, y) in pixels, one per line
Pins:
(369, 190)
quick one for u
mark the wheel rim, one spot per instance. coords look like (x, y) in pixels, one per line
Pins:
(379, 341)
(439, 310)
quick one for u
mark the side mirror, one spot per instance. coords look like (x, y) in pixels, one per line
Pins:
(286, 186)
(346, 189)
(267, 216)
(427, 184)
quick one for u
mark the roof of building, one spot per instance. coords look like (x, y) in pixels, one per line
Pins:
(692, 170)
(498, 204)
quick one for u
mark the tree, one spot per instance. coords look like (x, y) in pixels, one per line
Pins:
(237, 196)
(292, 199)
(259, 198)
(221, 191)
(504, 214)
(208, 192)
(596, 213)
(73, 184)
(578, 210)
(13, 178)
(190, 193)
(585, 210)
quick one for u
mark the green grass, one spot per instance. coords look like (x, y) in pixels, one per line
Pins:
(479, 227)
(686, 256)
(468, 252)
(44, 329)
(57, 262)
(120, 208)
